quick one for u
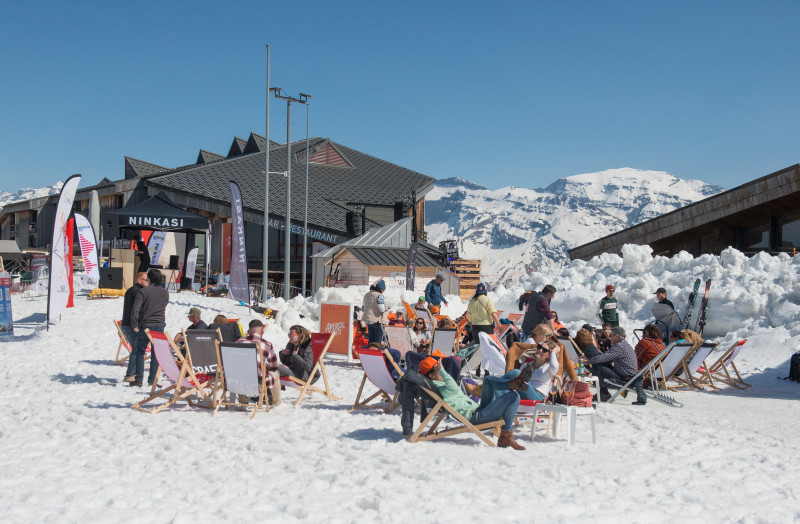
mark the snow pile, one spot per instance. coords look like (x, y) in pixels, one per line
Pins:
(72, 449)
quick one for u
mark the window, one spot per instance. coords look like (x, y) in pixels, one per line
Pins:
(755, 237)
(790, 231)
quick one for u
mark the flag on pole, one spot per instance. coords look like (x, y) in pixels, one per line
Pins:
(60, 266)
(86, 239)
(155, 245)
(191, 264)
(238, 288)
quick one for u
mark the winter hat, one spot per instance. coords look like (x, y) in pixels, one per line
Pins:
(620, 332)
(480, 289)
(194, 312)
(660, 290)
(611, 287)
(427, 365)
(380, 284)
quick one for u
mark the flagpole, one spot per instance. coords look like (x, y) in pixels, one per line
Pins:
(265, 255)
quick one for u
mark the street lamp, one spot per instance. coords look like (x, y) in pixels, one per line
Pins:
(305, 214)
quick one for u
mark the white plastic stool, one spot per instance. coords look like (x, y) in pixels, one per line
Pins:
(572, 412)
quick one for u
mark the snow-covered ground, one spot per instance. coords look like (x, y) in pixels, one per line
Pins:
(73, 450)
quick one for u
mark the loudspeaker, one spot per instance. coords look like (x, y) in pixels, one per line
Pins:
(111, 277)
(173, 262)
(110, 226)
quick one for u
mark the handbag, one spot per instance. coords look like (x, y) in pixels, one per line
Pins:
(576, 393)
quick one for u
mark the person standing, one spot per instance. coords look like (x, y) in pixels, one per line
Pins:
(607, 308)
(148, 312)
(143, 253)
(433, 294)
(661, 295)
(373, 307)
(481, 312)
(125, 323)
(538, 311)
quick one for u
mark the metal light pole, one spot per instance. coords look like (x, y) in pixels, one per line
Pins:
(305, 214)
(265, 264)
(288, 225)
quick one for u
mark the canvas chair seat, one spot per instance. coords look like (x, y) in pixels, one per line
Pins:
(320, 343)
(399, 338)
(184, 380)
(720, 371)
(242, 375)
(125, 348)
(692, 365)
(373, 361)
(444, 340)
(493, 354)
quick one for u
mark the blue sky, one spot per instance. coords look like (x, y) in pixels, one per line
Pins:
(500, 93)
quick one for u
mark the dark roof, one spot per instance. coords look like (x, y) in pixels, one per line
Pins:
(136, 168)
(369, 180)
(237, 147)
(389, 256)
(206, 157)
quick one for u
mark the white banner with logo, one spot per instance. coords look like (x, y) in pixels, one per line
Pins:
(155, 246)
(191, 264)
(60, 266)
(88, 244)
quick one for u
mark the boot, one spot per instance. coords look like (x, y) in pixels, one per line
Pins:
(521, 382)
(506, 440)
(473, 389)
(276, 389)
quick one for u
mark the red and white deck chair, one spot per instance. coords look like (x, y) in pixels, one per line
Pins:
(126, 344)
(184, 381)
(493, 354)
(720, 369)
(240, 366)
(376, 370)
(664, 370)
(693, 365)
(320, 342)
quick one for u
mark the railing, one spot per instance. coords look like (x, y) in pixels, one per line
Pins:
(275, 289)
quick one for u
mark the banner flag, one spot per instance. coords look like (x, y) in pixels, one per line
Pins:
(70, 239)
(87, 241)
(237, 286)
(410, 266)
(60, 265)
(191, 263)
(6, 318)
(155, 246)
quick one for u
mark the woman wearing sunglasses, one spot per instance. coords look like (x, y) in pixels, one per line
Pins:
(420, 336)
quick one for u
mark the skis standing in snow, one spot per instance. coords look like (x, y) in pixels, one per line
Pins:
(701, 319)
(690, 306)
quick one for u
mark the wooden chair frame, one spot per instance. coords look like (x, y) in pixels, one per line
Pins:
(305, 387)
(719, 369)
(220, 389)
(125, 343)
(390, 396)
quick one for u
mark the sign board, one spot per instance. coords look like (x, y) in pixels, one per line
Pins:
(6, 318)
(337, 318)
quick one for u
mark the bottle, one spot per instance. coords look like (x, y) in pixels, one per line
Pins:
(581, 369)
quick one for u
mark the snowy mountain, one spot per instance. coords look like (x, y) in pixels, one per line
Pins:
(514, 230)
(27, 193)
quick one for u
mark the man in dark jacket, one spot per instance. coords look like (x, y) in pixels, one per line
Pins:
(433, 294)
(148, 312)
(125, 323)
(539, 311)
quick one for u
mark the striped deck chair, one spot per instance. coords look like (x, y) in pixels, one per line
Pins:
(719, 369)
(320, 342)
(184, 381)
(241, 365)
(693, 365)
(125, 344)
(373, 361)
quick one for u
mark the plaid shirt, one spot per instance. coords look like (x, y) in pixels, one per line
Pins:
(622, 357)
(267, 353)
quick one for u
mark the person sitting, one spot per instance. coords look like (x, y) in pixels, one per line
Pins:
(556, 323)
(297, 358)
(421, 304)
(584, 338)
(399, 319)
(495, 401)
(255, 334)
(539, 334)
(618, 363)
(228, 330)
(420, 336)
(650, 345)
(602, 339)
(196, 323)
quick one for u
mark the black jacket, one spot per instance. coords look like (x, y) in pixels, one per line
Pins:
(149, 307)
(301, 362)
(127, 306)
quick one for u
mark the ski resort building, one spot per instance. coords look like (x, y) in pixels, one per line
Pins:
(349, 193)
(762, 215)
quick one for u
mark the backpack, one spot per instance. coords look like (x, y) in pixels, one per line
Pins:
(576, 394)
(794, 368)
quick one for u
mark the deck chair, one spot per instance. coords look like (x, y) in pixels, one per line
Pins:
(573, 351)
(125, 344)
(493, 354)
(692, 365)
(201, 345)
(514, 317)
(411, 313)
(427, 316)
(654, 367)
(240, 367)
(719, 369)
(444, 340)
(320, 342)
(666, 368)
(373, 361)
(442, 409)
(399, 338)
(184, 381)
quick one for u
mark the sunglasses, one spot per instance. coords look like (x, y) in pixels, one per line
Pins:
(543, 349)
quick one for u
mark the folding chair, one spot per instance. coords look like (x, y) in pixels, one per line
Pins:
(320, 342)
(493, 354)
(573, 351)
(201, 346)
(653, 369)
(444, 339)
(411, 313)
(514, 317)
(125, 343)
(373, 362)
(693, 365)
(440, 410)
(240, 365)
(184, 381)
(719, 369)
(399, 338)
(665, 369)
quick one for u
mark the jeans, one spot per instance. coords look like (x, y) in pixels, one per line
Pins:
(494, 386)
(131, 335)
(139, 348)
(504, 406)
(375, 332)
(605, 372)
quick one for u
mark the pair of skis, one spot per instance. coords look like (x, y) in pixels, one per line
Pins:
(701, 318)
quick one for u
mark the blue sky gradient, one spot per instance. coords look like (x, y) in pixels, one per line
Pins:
(503, 93)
